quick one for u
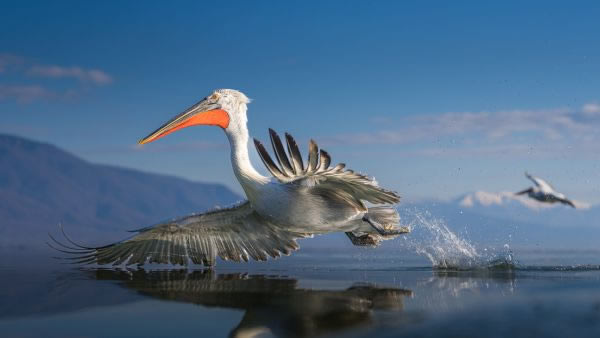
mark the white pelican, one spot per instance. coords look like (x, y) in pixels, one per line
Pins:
(300, 199)
(544, 192)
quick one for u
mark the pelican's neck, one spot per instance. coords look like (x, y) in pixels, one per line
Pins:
(249, 178)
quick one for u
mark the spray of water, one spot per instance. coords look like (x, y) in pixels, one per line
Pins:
(432, 238)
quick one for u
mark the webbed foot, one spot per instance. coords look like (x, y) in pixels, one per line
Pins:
(386, 231)
(363, 240)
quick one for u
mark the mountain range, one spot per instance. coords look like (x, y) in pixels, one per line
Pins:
(42, 186)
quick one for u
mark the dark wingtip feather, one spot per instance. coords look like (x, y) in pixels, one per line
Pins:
(267, 161)
(63, 245)
(325, 160)
(65, 251)
(81, 254)
(280, 154)
(313, 156)
(294, 153)
(62, 229)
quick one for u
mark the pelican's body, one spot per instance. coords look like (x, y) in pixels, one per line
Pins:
(300, 199)
(302, 210)
(542, 191)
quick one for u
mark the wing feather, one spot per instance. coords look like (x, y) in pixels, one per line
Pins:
(337, 182)
(266, 158)
(325, 160)
(544, 186)
(280, 154)
(313, 157)
(294, 154)
(523, 192)
(236, 234)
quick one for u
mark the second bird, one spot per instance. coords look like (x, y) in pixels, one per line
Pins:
(544, 192)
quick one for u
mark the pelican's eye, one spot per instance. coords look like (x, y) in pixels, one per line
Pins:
(214, 97)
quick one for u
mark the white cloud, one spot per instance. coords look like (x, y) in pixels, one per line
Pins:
(29, 92)
(7, 60)
(591, 109)
(551, 124)
(501, 132)
(94, 76)
(508, 150)
(24, 94)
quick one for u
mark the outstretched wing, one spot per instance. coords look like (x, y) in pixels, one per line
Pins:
(318, 174)
(236, 233)
(566, 201)
(523, 192)
(544, 186)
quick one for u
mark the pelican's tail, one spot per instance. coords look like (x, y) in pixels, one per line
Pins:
(386, 216)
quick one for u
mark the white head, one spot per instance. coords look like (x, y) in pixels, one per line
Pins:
(225, 108)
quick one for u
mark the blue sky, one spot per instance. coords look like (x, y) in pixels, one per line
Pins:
(434, 99)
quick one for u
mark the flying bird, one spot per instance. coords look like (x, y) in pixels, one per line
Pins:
(299, 200)
(544, 192)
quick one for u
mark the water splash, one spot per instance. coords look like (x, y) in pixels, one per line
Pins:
(431, 237)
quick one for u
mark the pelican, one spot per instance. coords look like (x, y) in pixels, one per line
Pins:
(544, 192)
(299, 200)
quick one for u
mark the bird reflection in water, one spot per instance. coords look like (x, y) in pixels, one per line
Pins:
(273, 305)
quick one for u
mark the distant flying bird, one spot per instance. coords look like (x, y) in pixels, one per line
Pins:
(544, 192)
(300, 199)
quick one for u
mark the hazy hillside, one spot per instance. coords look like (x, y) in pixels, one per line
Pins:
(41, 185)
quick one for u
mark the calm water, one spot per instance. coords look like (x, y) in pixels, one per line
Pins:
(315, 293)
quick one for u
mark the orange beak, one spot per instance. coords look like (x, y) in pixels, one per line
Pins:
(202, 113)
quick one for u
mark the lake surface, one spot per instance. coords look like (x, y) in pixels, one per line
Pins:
(345, 293)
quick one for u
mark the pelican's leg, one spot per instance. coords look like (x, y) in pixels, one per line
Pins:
(363, 240)
(386, 232)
